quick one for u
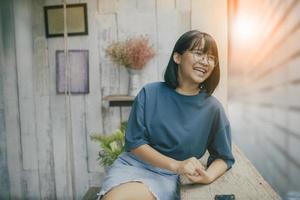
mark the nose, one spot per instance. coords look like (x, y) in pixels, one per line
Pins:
(203, 60)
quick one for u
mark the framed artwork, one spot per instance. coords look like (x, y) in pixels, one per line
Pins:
(76, 20)
(79, 64)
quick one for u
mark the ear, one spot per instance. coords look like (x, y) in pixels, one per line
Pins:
(177, 58)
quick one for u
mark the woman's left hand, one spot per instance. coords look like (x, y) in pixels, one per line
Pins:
(202, 177)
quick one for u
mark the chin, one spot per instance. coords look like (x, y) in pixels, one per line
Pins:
(198, 79)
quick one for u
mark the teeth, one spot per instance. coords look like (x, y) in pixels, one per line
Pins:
(200, 70)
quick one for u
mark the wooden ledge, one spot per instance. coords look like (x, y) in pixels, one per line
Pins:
(242, 180)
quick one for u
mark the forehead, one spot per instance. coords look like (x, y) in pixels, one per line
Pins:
(198, 44)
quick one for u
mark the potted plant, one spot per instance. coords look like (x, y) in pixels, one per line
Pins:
(134, 54)
(111, 146)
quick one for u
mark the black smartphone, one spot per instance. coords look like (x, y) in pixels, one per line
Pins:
(225, 197)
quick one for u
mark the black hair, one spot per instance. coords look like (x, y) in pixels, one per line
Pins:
(189, 41)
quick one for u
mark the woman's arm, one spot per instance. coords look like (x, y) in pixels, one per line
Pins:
(217, 168)
(150, 155)
(191, 167)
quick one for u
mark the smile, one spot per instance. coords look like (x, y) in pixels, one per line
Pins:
(200, 69)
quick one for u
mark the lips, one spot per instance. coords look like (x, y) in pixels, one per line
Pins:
(200, 69)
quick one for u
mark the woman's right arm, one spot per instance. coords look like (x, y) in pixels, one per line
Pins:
(191, 166)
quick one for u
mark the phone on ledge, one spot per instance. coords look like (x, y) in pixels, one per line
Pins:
(225, 197)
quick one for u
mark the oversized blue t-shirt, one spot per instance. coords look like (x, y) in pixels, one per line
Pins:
(179, 126)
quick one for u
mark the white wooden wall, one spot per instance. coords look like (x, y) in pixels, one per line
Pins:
(4, 178)
(32, 116)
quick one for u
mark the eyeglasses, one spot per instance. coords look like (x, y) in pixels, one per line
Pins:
(204, 58)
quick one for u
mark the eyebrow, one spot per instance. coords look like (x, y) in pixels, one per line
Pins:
(198, 50)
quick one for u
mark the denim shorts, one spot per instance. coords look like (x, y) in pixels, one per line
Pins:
(162, 183)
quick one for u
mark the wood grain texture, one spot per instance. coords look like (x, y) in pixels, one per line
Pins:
(109, 72)
(4, 180)
(93, 108)
(27, 98)
(242, 180)
(34, 114)
(79, 150)
(11, 101)
(118, 98)
(62, 167)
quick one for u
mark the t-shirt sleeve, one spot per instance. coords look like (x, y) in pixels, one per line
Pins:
(220, 144)
(135, 133)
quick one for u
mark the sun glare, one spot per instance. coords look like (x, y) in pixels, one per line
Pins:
(245, 29)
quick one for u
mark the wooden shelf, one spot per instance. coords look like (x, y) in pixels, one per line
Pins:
(119, 100)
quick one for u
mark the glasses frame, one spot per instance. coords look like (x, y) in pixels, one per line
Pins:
(199, 56)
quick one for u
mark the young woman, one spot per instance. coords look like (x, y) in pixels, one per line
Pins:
(171, 125)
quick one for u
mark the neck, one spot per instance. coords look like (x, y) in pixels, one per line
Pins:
(188, 89)
(186, 86)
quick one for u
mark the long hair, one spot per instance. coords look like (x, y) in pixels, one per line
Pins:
(190, 41)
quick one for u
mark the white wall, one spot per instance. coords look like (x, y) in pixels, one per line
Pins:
(33, 114)
(4, 180)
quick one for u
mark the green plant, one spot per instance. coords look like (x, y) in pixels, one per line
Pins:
(111, 146)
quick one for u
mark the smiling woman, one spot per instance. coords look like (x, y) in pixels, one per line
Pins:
(171, 125)
(194, 63)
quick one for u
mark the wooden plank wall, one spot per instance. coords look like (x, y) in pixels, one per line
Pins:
(4, 180)
(32, 116)
(264, 103)
(10, 100)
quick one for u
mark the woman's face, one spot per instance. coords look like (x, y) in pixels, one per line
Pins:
(194, 66)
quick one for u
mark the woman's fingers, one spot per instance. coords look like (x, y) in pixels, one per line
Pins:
(198, 166)
(193, 169)
(192, 166)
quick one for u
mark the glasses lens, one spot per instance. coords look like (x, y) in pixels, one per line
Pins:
(204, 58)
(211, 60)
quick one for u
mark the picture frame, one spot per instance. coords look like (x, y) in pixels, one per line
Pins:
(79, 62)
(77, 21)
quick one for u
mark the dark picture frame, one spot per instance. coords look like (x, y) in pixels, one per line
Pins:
(79, 63)
(77, 22)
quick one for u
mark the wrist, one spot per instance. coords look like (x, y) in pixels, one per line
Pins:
(210, 177)
(174, 166)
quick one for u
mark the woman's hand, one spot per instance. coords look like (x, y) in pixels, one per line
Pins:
(203, 178)
(193, 169)
(191, 166)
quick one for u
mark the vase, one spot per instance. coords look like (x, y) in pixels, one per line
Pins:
(133, 82)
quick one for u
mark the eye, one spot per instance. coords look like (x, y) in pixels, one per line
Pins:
(198, 53)
(211, 57)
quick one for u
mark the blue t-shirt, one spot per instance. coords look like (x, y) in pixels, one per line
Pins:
(179, 126)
